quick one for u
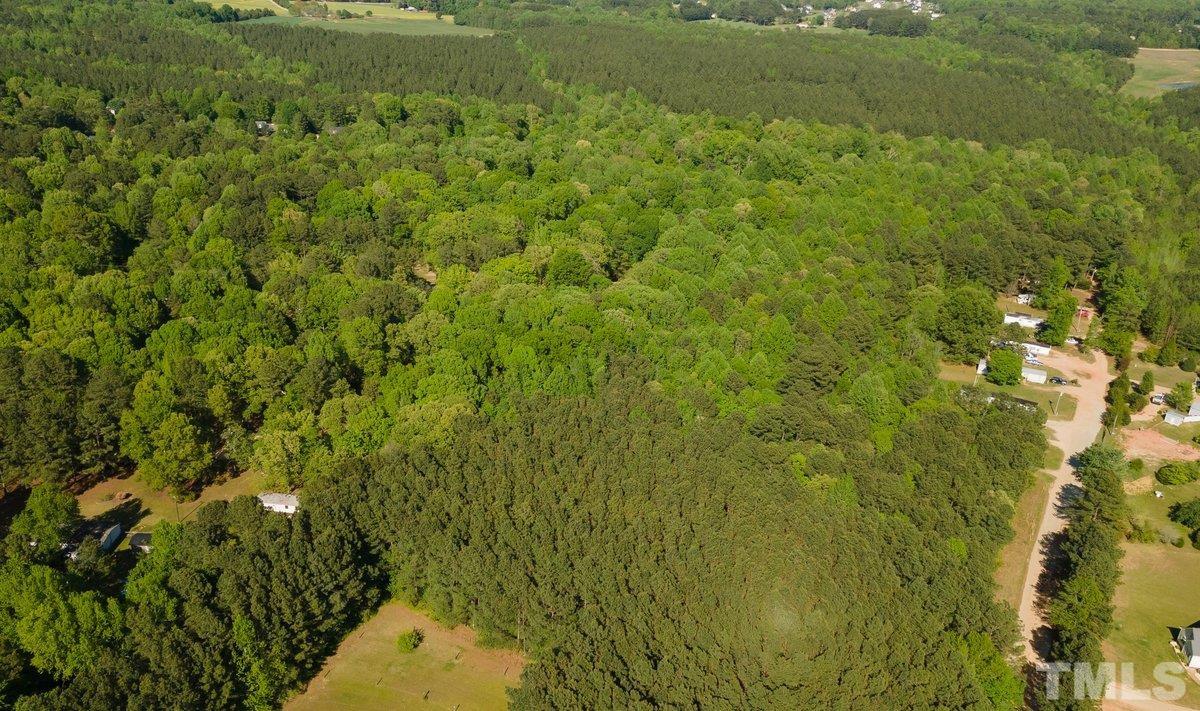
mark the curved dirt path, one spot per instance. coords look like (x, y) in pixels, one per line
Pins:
(1071, 437)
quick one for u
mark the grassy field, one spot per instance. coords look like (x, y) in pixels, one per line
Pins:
(250, 5)
(1159, 70)
(383, 9)
(1046, 396)
(409, 24)
(1165, 377)
(447, 671)
(1160, 589)
(138, 506)
(1011, 568)
(1143, 506)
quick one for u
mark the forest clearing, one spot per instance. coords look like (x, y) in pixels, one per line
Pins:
(1156, 71)
(447, 670)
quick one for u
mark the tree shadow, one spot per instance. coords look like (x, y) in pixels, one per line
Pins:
(128, 513)
(12, 504)
(1069, 495)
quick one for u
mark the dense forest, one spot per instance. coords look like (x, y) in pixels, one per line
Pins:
(616, 340)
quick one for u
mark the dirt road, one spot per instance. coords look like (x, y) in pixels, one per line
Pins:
(1071, 437)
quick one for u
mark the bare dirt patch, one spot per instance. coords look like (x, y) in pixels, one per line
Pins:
(1152, 444)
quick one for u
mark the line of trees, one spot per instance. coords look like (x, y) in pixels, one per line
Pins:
(1080, 610)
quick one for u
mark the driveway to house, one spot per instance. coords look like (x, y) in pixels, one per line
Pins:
(1071, 437)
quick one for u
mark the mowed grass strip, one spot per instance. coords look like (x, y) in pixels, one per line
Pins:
(250, 5)
(1014, 557)
(1155, 70)
(447, 671)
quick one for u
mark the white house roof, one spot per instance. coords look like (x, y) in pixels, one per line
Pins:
(273, 500)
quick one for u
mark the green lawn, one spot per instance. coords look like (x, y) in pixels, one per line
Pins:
(1046, 396)
(1143, 506)
(447, 671)
(1156, 70)
(1165, 377)
(428, 25)
(143, 507)
(1160, 589)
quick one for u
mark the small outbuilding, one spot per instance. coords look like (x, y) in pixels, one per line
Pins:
(280, 503)
(1024, 320)
(1176, 418)
(1034, 375)
(112, 534)
(1025, 299)
(264, 128)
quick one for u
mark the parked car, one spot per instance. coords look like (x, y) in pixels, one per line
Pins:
(1055, 380)
(1157, 399)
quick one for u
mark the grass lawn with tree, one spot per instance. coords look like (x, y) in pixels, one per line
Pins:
(1159, 589)
(147, 506)
(445, 670)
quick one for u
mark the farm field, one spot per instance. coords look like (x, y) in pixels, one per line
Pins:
(1159, 590)
(411, 24)
(447, 671)
(1156, 71)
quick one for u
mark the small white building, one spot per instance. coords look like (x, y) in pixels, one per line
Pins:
(982, 367)
(1188, 640)
(1175, 417)
(1036, 349)
(1034, 375)
(1024, 320)
(1024, 299)
(280, 503)
(111, 535)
